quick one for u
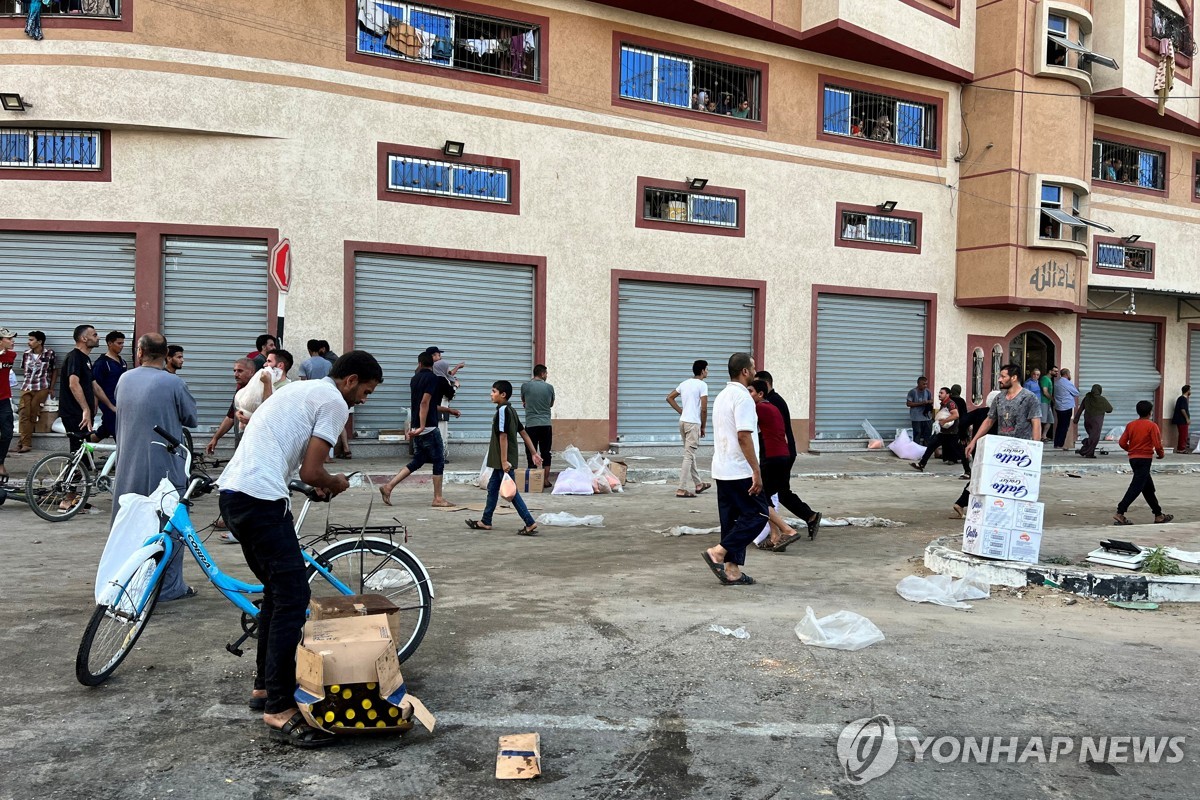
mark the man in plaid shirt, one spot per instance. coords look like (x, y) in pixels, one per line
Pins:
(38, 365)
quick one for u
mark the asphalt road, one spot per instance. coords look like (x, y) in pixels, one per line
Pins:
(598, 639)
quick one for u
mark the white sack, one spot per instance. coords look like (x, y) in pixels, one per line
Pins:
(842, 630)
(564, 520)
(904, 447)
(944, 590)
(136, 522)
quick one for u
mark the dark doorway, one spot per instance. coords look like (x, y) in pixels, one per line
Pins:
(1031, 350)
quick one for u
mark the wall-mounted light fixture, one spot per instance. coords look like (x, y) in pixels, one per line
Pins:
(697, 184)
(1131, 239)
(453, 149)
(11, 101)
(887, 207)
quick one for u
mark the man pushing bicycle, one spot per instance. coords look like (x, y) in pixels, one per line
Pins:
(293, 429)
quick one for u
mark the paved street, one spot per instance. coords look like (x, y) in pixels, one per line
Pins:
(598, 639)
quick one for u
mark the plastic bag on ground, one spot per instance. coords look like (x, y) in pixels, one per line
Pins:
(842, 630)
(739, 633)
(944, 590)
(562, 519)
(136, 522)
(1114, 434)
(874, 440)
(605, 481)
(687, 530)
(904, 447)
(577, 478)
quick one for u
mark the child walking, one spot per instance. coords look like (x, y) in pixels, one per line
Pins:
(503, 453)
(1142, 441)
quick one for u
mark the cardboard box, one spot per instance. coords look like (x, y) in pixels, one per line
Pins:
(519, 756)
(1006, 451)
(44, 421)
(1024, 546)
(999, 481)
(990, 511)
(530, 481)
(620, 469)
(356, 605)
(985, 542)
(349, 678)
(998, 527)
(392, 435)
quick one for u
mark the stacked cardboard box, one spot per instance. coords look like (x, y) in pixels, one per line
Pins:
(1004, 519)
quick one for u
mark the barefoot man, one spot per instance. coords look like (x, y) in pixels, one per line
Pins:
(428, 389)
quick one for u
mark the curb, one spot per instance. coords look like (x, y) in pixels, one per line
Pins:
(945, 560)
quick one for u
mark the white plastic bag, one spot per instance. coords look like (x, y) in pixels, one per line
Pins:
(1114, 434)
(874, 440)
(577, 478)
(738, 633)
(905, 448)
(564, 520)
(250, 397)
(485, 474)
(136, 522)
(57, 426)
(944, 590)
(604, 479)
(842, 630)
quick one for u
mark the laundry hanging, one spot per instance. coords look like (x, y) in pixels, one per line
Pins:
(1164, 76)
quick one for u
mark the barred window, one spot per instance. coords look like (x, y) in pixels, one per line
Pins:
(690, 83)
(668, 205)
(85, 8)
(446, 38)
(878, 117)
(40, 148)
(1128, 164)
(448, 179)
(1124, 257)
(878, 228)
(1168, 24)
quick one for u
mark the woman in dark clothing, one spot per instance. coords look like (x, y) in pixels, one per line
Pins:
(1092, 409)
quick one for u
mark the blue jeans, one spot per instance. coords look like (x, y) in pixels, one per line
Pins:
(743, 516)
(265, 530)
(428, 449)
(493, 497)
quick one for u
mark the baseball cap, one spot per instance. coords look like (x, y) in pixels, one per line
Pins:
(432, 350)
(5, 333)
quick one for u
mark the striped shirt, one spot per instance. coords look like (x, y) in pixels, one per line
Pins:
(276, 439)
(37, 368)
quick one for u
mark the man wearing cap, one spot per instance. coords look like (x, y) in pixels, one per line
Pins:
(7, 357)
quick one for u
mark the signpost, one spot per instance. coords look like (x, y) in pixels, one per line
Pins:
(280, 266)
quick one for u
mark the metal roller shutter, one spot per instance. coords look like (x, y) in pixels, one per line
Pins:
(1194, 357)
(1122, 357)
(215, 306)
(870, 351)
(479, 313)
(662, 329)
(55, 281)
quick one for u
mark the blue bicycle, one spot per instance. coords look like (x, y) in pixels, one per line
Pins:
(367, 563)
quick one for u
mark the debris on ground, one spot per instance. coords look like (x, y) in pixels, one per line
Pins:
(738, 633)
(562, 519)
(1134, 605)
(944, 590)
(857, 522)
(687, 530)
(519, 756)
(841, 630)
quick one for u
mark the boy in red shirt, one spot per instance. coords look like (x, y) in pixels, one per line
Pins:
(1143, 441)
(776, 470)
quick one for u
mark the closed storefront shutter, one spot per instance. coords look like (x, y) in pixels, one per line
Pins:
(479, 313)
(1194, 357)
(870, 352)
(1122, 357)
(663, 328)
(55, 281)
(215, 306)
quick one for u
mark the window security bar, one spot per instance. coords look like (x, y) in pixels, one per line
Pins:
(1132, 259)
(687, 82)
(878, 117)
(447, 179)
(84, 8)
(668, 205)
(452, 39)
(38, 148)
(1166, 24)
(1122, 163)
(879, 229)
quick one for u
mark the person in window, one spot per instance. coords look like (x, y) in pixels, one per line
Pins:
(725, 104)
(856, 127)
(1048, 231)
(743, 110)
(1109, 172)
(882, 131)
(696, 102)
(711, 107)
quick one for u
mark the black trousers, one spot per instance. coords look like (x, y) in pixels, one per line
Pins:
(1062, 425)
(1142, 483)
(952, 450)
(777, 479)
(743, 516)
(542, 437)
(268, 538)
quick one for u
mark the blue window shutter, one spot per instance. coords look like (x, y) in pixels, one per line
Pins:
(637, 75)
(1148, 170)
(674, 82)
(719, 210)
(14, 147)
(411, 174)
(481, 183)
(837, 111)
(910, 124)
(55, 149)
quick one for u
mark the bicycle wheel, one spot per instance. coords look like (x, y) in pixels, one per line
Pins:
(375, 567)
(55, 480)
(115, 628)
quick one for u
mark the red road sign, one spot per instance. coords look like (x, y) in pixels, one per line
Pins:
(280, 264)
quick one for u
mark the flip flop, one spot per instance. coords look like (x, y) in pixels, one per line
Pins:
(702, 487)
(677, 494)
(298, 733)
(1119, 519)
(743, 580)
(1163, 518)
(814, 526)
(779, 548)
(528, 530)
(256, 703)
(717, 569)
(476, 525)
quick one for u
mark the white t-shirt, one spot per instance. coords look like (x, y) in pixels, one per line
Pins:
(733, 411)
(690, 393)
(276, 439)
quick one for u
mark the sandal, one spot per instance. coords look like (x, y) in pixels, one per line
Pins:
(783, 545)
(1119, 519)
(228, 538)
(476, 525)
(1163, 518)
(743, 580)
(814, 526)
(528, 530)
(717, 569)
(298, 733)
(685, 494)
(702, 487)
(256, 703)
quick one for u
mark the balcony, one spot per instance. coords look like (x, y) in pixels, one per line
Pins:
(103, 9)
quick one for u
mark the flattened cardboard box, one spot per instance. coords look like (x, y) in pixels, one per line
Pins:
(356, 605)
(346, 652)
(519, 756)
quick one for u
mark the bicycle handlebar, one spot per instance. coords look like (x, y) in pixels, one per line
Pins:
(171, 440)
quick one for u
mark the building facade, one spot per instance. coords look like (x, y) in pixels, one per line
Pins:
(857, 191)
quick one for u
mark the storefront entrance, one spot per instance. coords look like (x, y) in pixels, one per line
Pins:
(1031, 350)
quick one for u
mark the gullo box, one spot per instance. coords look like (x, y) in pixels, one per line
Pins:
(349, 678)
(999, 527)
(992, 511)
(1006, 451)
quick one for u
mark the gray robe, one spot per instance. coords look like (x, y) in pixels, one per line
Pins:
(148, 396)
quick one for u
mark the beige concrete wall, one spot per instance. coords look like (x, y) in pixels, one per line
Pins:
(902, 23)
